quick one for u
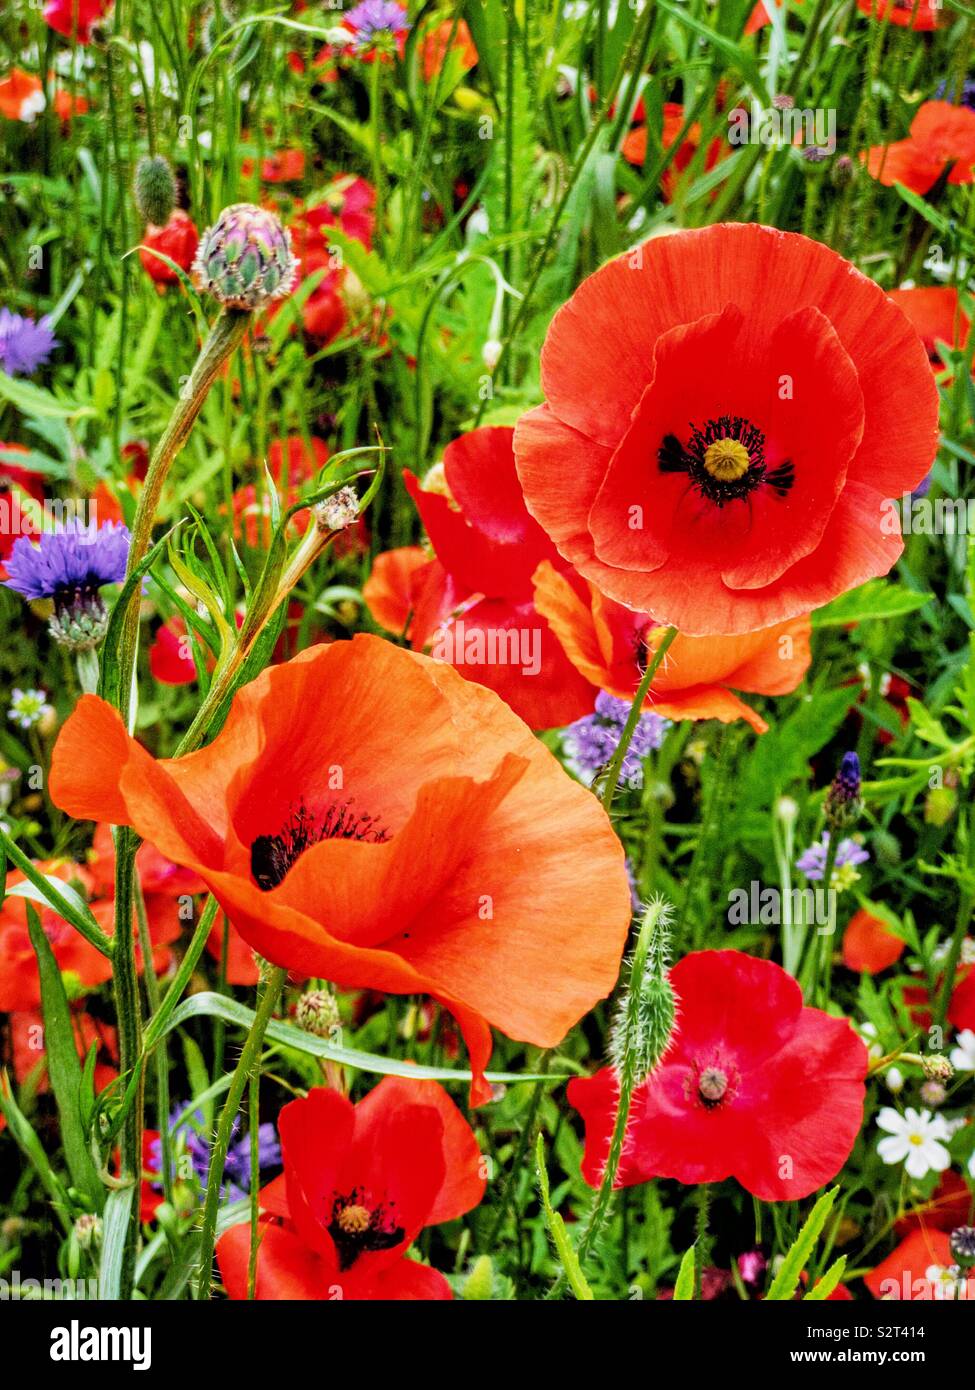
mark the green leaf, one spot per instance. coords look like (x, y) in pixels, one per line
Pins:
(218, 1006)
(21, 1130)
(684, 1288)
(563, 1246)
(876, 599)
(115, 1227)
(821, 1291)
(34, 400)
(63, 1065)
(786, 1281)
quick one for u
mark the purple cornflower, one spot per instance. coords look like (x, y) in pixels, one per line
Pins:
(848, 855)
(843, 803)
(70, 565)
(964, 97)
(376, 22)
(24, 344)
(591, 741)
(188, 1139)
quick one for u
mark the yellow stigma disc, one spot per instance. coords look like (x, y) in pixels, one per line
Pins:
(354, 1220)
(727, 460)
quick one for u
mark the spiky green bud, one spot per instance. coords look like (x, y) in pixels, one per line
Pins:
(245, 260)
(647, 1009)
(154, 189)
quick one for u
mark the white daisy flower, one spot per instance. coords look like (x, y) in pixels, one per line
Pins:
(914, 1140)
(962, 1056)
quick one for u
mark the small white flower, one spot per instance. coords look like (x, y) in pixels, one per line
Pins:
(946, 1281)
(914, 1140)
(28, 707)
(962, 1056)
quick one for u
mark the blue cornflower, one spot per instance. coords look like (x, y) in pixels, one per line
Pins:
(812, 863)
(69, 565)
(591, 741)
(187, 1137)
(24, 344)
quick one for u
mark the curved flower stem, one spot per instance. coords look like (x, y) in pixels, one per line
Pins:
(247, 1066)
(224, 337)
(633, 718)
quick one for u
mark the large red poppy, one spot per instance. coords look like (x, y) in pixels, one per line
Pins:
(368, 816)
(755, 1086)
(488, 548)
(727, 410)
(610, 645)
(359, 1184)
(942, 137)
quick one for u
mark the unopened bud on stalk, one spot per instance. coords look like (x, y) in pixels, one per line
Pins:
(154, 189)
(937, 1068)
(337, 512)
(962, 1243)
(245, 259)
(88, 1230)
(647, 1009)
(317, 1012)
(844, 806)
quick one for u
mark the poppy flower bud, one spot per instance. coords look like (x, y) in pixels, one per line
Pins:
(647, 1010)
(317, 1012)
(937, 1068)
(962, 1242)
(154, 189)
(245, 259)
(479, 1285)
(843, 804)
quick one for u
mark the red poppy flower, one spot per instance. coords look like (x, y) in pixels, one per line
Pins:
(292, 463)
(353, 827)
(348, 202)
(906, 14)
(436, 45)
(30, 1055)
(74, 18)
(21, 96)
(869, 946)
(941, 136)
(178, 240)
(727, 410)
(360, 1182)
(489, 548)
(157, 874)
(635, 147)
(397, 585)
(961, 1010)
(916, 1268)
(950, 1205)
(755, 1086)
(936, 316)
(16, 486)
(19, 983)
(170, 659)
(286, 166)
(610, 644)
(67, 106)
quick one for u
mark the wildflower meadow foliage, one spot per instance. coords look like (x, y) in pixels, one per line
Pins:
(487, 578)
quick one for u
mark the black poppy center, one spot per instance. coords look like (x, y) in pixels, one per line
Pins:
(273, 855)
(725, 460)
(356, 1227)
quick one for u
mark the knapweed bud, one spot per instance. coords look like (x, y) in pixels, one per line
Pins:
(940, 805)
(317, 1012)
(937, 1068)
(245, 260)
(154, 189)
(843, 805)
(337, 512)
(843, 172)
(962, 1243)
(88, 1230)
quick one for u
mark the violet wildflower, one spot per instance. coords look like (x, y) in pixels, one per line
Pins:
(189, 1143)
(245, 259)
(843, 805)
(376, 24)
(849, 854)
(69, 565)
(24, 344)
(591, 741)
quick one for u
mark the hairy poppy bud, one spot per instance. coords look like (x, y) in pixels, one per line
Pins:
(154, 189)
(245, 260)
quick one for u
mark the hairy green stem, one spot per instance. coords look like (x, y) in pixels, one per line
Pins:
(633, 718)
